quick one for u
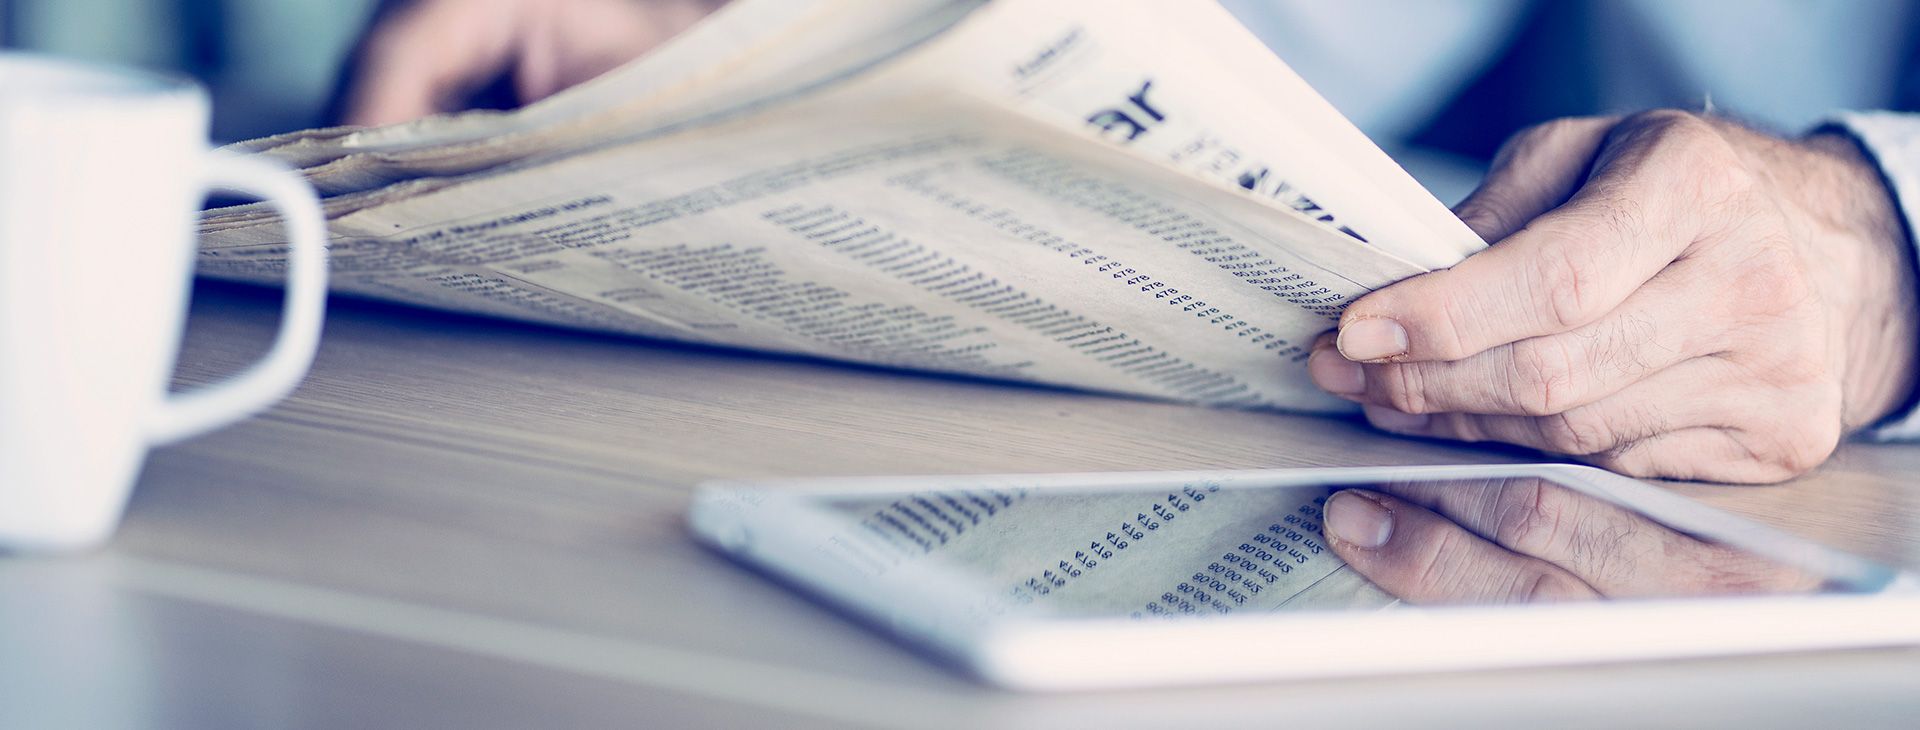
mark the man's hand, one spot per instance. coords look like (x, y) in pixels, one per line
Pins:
(1521, 540)
(1668, 295)
(424, 57)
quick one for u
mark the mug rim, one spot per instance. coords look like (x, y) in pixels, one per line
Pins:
(26, 75)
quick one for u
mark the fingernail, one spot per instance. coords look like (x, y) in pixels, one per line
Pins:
(1388, 419)
(1356, 520)
(1372, 339)
(1336, 374)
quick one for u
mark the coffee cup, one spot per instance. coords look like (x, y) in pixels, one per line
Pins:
(102, 173)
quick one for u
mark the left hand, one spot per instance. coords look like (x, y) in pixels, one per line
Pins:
(1524, 540)
(424, 57)
(1668, 295)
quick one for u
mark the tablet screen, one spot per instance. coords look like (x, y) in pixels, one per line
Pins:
(1205, 547)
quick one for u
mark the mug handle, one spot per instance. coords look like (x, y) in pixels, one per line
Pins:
(185, 415)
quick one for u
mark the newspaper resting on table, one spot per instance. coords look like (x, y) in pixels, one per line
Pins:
(1125, 195)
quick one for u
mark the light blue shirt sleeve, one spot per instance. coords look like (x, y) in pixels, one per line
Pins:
(1893, 140)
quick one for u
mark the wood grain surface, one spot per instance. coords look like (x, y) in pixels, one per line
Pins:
(466, 523)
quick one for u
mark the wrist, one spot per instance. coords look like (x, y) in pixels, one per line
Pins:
(1865, 239)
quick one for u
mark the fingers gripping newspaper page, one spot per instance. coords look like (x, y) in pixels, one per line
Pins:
(915, 217)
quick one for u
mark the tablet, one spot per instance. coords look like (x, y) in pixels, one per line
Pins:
(1108, 580)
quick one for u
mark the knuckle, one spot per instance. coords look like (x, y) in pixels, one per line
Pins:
(1699, 149)
(1651, 128)
(1724, 174)
(1519, 143)
(1436, 567)
(1462, 427)
(1796, 449)
(1544, 133)
(1543, 378)
(1483, 214)
(1670, 127)
(1404, 387)
(1724, 570)
(1529, 517)
(1715, 175)
(1643, 460)
(1693, 146)
(1770, 280)
(1663, 118)
(1544, 586)
(1580, 431)
(1565, 279)
(1787, 447)
(1802, 425)
(1452, 320)
(1562, 126)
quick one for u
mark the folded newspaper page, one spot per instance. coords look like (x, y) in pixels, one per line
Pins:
(1125, 196)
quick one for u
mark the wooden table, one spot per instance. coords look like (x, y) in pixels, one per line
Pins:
(471, 524)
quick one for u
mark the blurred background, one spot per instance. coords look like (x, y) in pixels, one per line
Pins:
(1439, 83)
(271, 64)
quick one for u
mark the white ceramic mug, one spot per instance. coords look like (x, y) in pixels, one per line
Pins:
(102, 174)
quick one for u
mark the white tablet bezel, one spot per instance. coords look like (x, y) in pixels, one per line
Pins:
(780, 527)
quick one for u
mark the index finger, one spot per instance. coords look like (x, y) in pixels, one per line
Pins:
(1640, 210)
(1534, 172)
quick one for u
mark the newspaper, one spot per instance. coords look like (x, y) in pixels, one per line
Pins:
(1125, 196)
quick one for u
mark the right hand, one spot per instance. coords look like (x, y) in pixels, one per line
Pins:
(1668, 295)
(1525, 540)
(425, 57)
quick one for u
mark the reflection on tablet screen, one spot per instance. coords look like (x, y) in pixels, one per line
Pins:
(1202, 548)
